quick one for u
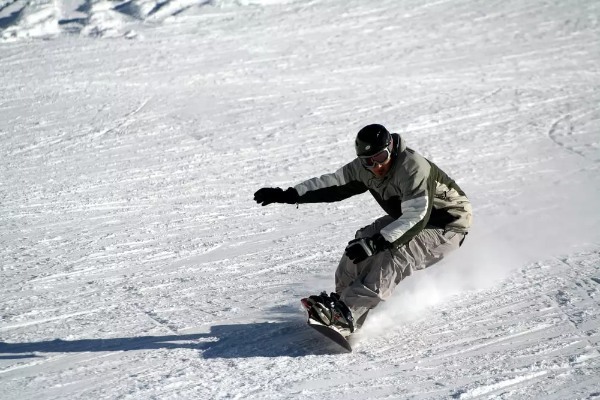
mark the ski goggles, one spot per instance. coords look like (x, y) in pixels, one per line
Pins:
(378, 158)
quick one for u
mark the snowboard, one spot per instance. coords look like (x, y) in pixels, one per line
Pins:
(331, 333)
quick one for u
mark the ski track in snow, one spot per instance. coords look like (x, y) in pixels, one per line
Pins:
(134, 263)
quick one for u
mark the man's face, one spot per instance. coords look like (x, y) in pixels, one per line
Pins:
(380, 170)
(379, 163)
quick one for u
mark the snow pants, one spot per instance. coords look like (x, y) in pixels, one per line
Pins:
(362, 286)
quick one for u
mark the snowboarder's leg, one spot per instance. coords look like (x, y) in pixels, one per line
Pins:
(377, 276)
(348, 273)
(376, 281)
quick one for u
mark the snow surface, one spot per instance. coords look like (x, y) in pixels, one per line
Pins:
(135, 265)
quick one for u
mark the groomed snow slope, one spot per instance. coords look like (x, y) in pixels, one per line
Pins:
(135, 265)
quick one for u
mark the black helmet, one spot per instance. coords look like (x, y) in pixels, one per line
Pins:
(372, 139)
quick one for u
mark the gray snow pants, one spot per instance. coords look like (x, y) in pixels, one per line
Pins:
(362, 286)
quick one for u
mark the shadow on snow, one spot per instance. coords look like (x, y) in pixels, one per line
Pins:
(276, 339)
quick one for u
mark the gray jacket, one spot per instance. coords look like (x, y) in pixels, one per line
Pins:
(415, 192)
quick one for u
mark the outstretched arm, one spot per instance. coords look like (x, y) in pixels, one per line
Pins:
(323, 189)
(336, 186)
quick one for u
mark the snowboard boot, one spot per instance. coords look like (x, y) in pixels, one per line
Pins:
(330, 311)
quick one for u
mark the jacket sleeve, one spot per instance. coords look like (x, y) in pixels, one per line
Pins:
(417, 202)
(327, 188)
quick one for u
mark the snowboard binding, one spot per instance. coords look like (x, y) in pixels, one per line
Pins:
(329, 310)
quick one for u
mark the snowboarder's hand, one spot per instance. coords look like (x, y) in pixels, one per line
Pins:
(266, 196)
(360, 249)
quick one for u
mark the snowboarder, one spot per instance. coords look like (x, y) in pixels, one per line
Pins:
(427, 216)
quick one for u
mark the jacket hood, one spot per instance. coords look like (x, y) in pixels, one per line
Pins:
(399, 144)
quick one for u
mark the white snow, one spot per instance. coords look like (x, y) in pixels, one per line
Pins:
(134, 263)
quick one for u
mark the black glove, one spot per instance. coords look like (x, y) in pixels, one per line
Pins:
(360, 249)
(266, 196)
